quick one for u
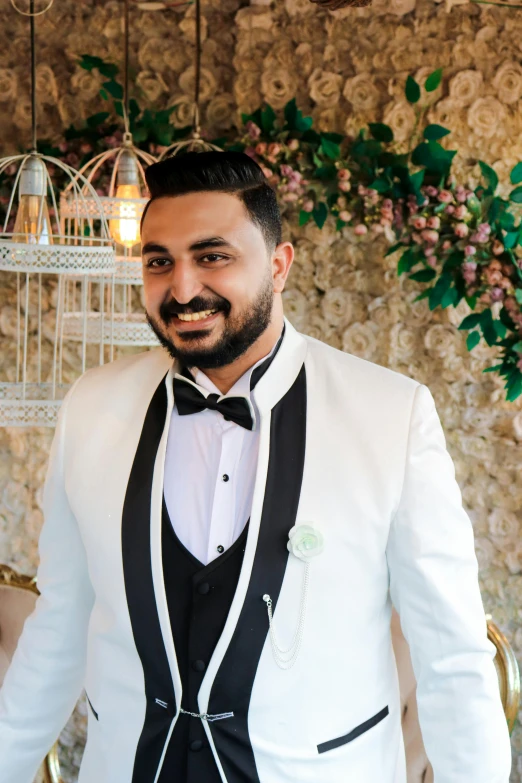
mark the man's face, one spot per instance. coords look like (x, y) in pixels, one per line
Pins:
(208, 277)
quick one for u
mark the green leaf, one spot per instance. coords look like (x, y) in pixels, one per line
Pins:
(500, 329)
(488, 328)
(514, 387)
(304, 217)
(496, 368)
(472, 340)
(381, 132)
(320, 213)
(291, 113)
(516, 195)
(435, 132)
(433, 80)
(407, 261)
(337, 138)
(470, 321)
(327, 171)
(518, 295)
(516, 174)
(393, 249)
(412, 91)
(433, 157)
(450, 298)
(439, 289)
(330, 149)
(114, 89)
(416, 180)
(104, 94)
(118, 108)
(381, 185)
(268, 117)
(511, 239)
(424, 276)
(97, 119)
(490, 175)
(517, 347)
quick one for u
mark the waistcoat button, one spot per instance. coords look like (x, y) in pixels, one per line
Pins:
(225, 477)
(220, 549)
(196, 744)
(203, 588)
(199, 666)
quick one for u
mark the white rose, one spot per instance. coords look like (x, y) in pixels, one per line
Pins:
(466, 86)
(208, 84)
(362, 92)
(508, 82)
(325, 87)
(486, 116)
(400, 116)
(278, 86)
(305, 542)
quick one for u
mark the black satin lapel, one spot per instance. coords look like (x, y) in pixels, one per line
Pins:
(139, 587)
(232, 687)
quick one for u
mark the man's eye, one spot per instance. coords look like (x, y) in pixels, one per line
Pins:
(212, 257)
(158, 262)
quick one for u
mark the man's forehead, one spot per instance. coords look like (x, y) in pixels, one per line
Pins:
(187, 220)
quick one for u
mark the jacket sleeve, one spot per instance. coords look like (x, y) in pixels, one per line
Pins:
(45, 677)
(434, 587)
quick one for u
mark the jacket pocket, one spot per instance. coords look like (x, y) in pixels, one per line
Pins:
(366, 726)
(92, 708)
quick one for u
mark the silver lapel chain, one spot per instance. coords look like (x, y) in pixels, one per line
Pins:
(203, 715)
(285, 659)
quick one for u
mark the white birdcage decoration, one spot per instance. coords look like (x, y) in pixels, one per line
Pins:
(39, 258)
(122, 207)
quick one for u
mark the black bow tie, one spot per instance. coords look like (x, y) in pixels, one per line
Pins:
(190, 398)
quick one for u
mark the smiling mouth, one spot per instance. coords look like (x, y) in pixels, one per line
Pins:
(195, 316)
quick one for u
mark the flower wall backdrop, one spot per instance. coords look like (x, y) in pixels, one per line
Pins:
(345, 69)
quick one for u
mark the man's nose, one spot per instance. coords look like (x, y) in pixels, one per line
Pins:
(184, 284)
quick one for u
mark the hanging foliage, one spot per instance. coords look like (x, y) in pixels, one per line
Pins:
(454, 242)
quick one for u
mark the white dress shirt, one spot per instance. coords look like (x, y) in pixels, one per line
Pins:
(210, 468)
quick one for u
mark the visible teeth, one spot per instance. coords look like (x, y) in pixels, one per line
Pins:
(195, 316)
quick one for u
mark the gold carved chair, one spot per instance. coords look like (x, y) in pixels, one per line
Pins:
(418, 767)
(18, 596)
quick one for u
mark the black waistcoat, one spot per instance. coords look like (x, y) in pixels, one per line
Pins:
(199, 599)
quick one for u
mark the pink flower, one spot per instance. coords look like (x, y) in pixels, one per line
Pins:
(419, 223)
(267, 172)
(345, 216)
(450, 209)
(416, 238)
(293, 145)
(445, 197)
(261, 148)
(460, 212)
(470, 250)
(434, 222)
(430, 236)
(447, 244)
(461, 194)
(484, 228)
(432, 261)
(343, 174)
(431, 191)
(497, 294)
(469, 271)
(290, 196)
(360, 230)
(308, 205)
(254, 131)
(461, 230)
(377, 228)
(498, 247)
(274, 149)
(286, 170)
(387, 203)
(344, 186)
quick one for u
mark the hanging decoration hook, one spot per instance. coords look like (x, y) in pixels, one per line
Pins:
(31, 12)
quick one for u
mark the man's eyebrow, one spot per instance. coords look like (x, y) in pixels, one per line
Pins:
(201, 244)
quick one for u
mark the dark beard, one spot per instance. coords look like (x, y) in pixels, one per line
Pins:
(239, 334)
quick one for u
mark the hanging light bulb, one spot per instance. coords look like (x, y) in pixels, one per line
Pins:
(33, 224)
(125, 229)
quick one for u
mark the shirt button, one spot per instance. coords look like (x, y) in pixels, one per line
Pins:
(203, 588)
(220, 548)
(199, 666)
(196, 744)
(225, 477)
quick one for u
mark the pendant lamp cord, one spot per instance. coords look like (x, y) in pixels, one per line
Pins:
(33, 74)
(126, 69)
(197, 75)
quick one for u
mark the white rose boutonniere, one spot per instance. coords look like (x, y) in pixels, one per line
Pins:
(305, 542)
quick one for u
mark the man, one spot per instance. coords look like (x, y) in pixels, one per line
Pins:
(226, 525)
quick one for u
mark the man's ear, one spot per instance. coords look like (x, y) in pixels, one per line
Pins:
(282, 259)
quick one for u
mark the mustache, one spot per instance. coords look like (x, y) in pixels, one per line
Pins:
(171, 307)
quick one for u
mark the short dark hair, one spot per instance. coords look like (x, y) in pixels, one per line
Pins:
(227, 172)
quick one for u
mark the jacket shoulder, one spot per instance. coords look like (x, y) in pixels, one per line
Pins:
(358, 372)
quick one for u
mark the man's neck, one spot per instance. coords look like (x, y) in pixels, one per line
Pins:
(225, 377)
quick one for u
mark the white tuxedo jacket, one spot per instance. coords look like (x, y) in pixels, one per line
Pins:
(346, 446)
